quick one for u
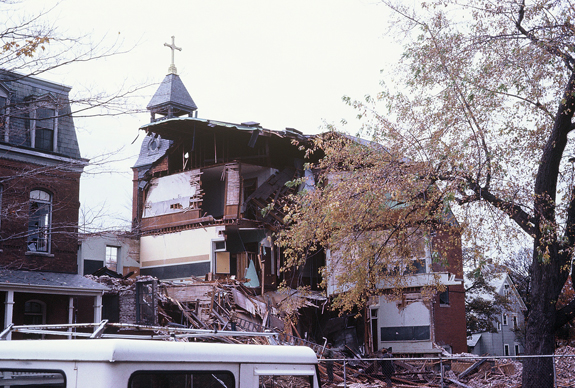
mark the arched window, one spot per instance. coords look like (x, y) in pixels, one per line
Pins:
(39, 222)
(34, 312)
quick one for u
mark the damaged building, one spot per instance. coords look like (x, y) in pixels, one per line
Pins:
(207, 198)
(208, 195)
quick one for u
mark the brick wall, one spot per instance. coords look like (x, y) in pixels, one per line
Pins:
(449, 320)
(19, 179)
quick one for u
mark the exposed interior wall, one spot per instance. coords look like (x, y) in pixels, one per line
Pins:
(173, 194)
(185, 247)
(92, 253)
(404, 325)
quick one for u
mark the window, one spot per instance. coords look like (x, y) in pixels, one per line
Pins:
(515, 324)
(42, 124)
(3, 102)
(516, 349)
(112, 257)
(506, 350)
(177, 379)
(32, 378)
(39, 221)
(4, 112)
(505, 320)
(146, 303)
(498, 326)
(44, 132)
(444, 298)
(34, 312)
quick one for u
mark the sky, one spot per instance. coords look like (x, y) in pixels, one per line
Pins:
(282, 64)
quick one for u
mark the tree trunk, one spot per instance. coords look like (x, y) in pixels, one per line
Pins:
(549, 257)
(540, 329)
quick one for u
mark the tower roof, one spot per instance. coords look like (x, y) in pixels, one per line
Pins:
(172, 95)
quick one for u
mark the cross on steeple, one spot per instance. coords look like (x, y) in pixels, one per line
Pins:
(172, 68)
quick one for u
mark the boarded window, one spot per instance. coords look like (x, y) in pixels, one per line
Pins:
(405, 333)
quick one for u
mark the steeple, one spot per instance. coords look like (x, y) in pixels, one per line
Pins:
(172, 98)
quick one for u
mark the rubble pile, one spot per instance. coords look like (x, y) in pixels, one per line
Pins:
(463, 371)
(565, 366)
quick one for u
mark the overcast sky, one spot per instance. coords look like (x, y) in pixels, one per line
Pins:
(279, 63)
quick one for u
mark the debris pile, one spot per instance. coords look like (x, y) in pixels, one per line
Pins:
(462, 370)
(220, 304)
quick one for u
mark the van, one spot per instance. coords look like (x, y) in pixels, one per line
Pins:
(135, 363)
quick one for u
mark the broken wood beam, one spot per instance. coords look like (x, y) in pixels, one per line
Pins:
(458, 383)
(472, 368)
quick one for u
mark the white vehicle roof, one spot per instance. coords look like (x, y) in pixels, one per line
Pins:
(118, 350)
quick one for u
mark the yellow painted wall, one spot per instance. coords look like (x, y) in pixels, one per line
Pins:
(187, 246)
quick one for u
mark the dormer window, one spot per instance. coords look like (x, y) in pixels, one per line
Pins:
(43, 124)
(4, 113)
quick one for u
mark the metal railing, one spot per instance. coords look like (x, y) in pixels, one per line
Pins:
(153, 332)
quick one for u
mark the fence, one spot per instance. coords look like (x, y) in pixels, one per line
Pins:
(444, 372)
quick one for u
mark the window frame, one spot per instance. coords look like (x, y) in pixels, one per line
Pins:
(147, 373)
(42, 314)
(47, 102)
(108, 258)
(5, 113)
(444, 298)
(43, 203)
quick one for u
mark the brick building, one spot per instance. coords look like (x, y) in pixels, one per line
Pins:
(40, 168)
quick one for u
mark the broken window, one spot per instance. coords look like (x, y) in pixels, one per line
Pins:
(146, 303)
(39, 221)
(179, 379)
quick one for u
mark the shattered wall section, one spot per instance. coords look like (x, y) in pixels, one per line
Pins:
(173, 194)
